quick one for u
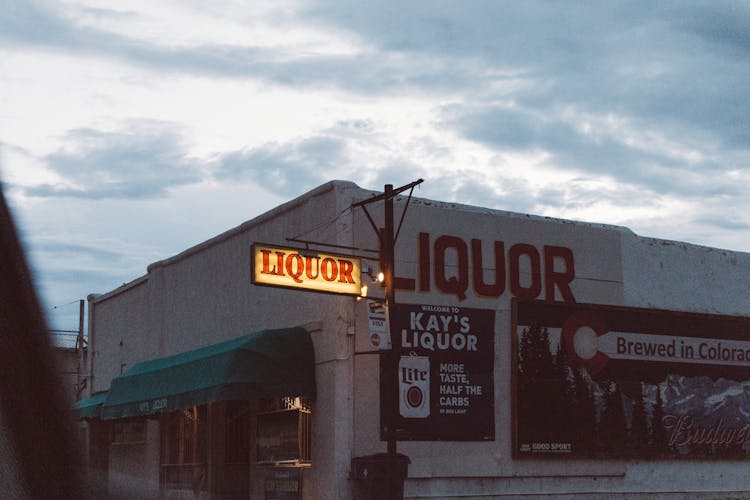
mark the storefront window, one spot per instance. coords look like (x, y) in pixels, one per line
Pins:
(283, 431)
(237, 429)
(276, 404)
(183, 449)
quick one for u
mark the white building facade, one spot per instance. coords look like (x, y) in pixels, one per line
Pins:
(470, 439)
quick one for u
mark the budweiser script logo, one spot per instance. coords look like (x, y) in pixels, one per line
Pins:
(682, 431)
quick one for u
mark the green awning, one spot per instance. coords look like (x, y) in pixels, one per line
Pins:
(90, 407)
(269, 363)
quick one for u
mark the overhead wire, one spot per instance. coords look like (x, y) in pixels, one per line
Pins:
(323, 225)
(66, 304)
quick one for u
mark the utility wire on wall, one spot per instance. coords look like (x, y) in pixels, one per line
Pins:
(80, 339)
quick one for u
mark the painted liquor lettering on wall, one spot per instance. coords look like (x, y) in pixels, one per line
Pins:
(445, 372)
(452, 265)
(624, 382)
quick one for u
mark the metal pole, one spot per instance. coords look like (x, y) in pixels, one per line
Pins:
(391, 360)
(79, 340)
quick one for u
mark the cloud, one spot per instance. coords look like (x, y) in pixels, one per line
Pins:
(66, 270)
(729, 222)
(725, 27)
(671, 68)
(391, 66)
(140, 162)
(59, 248)
(55, 27)
(604, 55)
(592, 151)
(631, 113)
(30, 23)
(287, 168)
(520, 76)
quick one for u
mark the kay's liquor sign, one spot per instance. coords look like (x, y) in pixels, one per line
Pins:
(445, 372)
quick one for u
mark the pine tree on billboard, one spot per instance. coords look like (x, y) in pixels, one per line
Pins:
(535, 372)
(658, 433)
(613, 419)
(638, 425)
(584, 412)
(563, 397)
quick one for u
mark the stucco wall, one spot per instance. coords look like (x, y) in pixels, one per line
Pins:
(68, 370)
(128, 334)
(596, 250)
(612, 266)
(134, 467)
(204, 295)
(674, 275)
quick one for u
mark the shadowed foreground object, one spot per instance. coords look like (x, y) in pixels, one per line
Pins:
(34, 413)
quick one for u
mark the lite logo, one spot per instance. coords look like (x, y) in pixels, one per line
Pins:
(414, 386)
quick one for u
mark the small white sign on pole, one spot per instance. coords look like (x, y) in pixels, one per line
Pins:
(380, 332)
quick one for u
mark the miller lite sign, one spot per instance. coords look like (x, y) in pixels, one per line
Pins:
(414, 386)
(445, 373)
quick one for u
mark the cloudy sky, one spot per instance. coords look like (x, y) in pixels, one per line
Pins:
(130, 131)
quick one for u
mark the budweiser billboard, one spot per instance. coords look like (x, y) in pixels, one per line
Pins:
(444, 373)
(593, 380)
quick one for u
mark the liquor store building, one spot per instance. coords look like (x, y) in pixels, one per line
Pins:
(529, 356)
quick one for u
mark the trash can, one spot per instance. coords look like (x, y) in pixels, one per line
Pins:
(369, 476)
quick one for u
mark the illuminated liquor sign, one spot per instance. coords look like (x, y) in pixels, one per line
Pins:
(305, 269)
